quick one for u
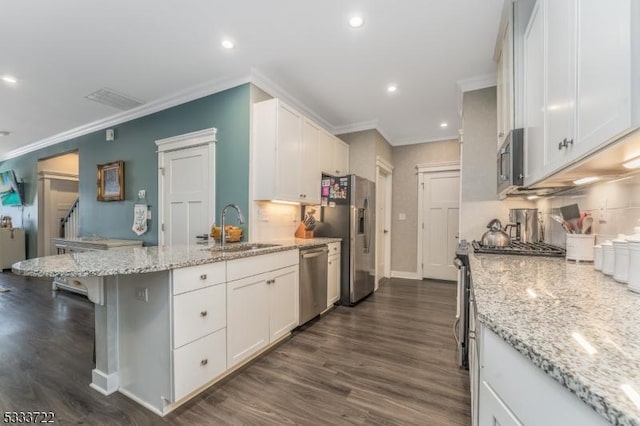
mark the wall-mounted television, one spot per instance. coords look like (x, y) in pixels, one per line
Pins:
(10, 189)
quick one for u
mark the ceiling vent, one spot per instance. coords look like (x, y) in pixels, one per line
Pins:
(114, 99)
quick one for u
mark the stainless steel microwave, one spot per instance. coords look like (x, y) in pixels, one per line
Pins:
(510, 168)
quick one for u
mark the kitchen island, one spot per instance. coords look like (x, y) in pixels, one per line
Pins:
(170, 321)
(578, 327)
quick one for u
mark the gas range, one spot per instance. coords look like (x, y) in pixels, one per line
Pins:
(517, 247)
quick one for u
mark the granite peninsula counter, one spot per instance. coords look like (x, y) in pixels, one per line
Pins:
(139, 260)
(577, 325)
(171, 321)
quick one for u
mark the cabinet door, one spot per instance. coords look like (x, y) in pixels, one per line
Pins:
(247, 317)
(534, 95)
(283, 302)
(604, 79)
(288, 153)
(560, 16)
(310, 173)
(504, 74)
(494, 411)
(341, 157)
(326, 152)
(333, 279)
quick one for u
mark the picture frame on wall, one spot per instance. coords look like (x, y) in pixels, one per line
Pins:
(111, 181)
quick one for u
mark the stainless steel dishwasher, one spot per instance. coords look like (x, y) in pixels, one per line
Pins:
(313, 282)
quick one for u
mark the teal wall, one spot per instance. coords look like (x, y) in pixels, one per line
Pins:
(228, 111)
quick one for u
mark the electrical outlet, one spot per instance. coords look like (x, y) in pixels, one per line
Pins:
(402, 216)
(142, 293)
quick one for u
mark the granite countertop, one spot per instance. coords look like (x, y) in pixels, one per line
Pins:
(95, 241)
(579, 326)
(137, 260)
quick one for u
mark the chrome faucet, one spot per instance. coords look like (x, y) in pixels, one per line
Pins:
(223, 232)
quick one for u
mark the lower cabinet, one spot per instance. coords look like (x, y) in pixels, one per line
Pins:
(333, 274)
(513, 390)
(261, 307)
(198, 363)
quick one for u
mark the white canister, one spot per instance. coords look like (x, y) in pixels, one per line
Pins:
(607, 258)
(597, 257)
(621, 260)
(634, 262)
(580, 247)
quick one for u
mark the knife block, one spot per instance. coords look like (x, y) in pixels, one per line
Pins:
(303, 233)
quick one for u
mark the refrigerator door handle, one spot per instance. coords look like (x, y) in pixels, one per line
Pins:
(367, 225)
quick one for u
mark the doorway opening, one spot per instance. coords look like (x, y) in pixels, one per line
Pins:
(384, 172)
(58, 200)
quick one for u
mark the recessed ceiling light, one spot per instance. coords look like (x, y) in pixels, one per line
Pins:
(586, 180)
(227, 44)
(9, 79)
(444, 124)
(392, 88)
(4, 133)
(356, 22)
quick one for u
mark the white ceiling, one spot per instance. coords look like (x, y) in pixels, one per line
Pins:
(158, 50)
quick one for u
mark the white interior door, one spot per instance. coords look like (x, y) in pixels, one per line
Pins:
(440, 213)
(187, 191)
(381, 230)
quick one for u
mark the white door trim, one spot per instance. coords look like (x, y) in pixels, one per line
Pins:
(422, 169)
(174, 143)
(384, 167)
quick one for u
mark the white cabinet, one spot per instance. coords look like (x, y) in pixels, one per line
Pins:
(514, 391)
(310, 174)
(341, 157)
(474, 361)
(533, 102)
(578, 88)
(285, 154)
(262, 302)
(334, 155)
(504, 76)
(333, 274)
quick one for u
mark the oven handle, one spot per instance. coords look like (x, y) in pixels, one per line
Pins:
(455, 328)
(503, 152)
(456, 261)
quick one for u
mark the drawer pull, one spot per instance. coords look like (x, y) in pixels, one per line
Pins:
(204, 362)
(203, 314)
(203, 277)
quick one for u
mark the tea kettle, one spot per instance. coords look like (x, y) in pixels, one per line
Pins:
(495, 236)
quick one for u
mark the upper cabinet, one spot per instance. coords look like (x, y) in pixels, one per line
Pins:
(576, 80)
(504, 74)
(334, 155)
(285, 148)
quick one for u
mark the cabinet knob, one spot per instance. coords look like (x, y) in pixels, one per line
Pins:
(203, 314)
(569, 142)
(338, 172)
(203, 277)
(204, 362)
(561, 145)
(501, 134)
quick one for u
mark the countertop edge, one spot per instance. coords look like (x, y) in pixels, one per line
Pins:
(567, 380)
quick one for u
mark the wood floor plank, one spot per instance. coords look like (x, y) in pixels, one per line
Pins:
(390, 360)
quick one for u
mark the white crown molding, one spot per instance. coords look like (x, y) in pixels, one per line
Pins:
(384, 164)
(356, 127)
(263, 82)
(175, 99)
(417, 141)
(187, 140)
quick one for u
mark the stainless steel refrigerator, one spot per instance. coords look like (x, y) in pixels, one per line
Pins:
(348, 212)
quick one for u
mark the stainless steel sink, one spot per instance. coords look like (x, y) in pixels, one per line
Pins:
(232, 248)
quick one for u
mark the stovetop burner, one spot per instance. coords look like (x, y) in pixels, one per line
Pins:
(517, 247)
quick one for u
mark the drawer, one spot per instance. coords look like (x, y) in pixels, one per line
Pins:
(254, 265)
(198, 363)
(195, 277)
(334, 248)
(198, 313)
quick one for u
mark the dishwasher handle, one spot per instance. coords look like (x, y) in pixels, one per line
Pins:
(308, 254)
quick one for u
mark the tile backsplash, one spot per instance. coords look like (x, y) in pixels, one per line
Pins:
(614, 205)
(274, 221)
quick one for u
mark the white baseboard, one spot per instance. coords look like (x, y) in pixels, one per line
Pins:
(405, 274)
(106, 384)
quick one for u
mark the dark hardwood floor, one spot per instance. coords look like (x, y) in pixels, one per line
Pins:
(389, 360)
